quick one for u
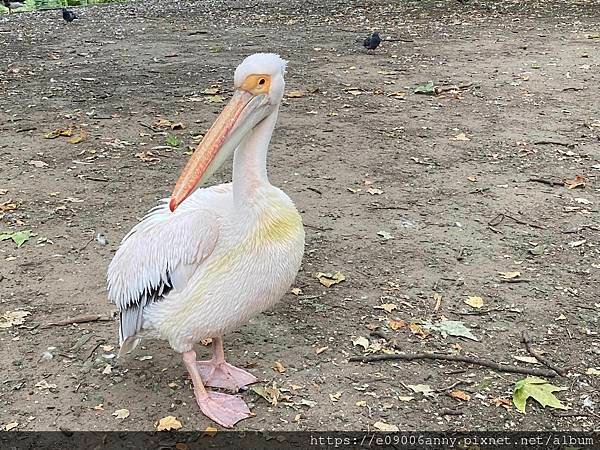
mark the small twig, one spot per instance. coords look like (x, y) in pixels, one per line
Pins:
(551, 183)
(570, 414)
(573, 89)
(540, 358)
(310, 188)
(94, 348)
(498, 219)
(451, 412)
(104, 180)
(387, 207)
(22, 130)
(398, 40)
(550, 142)
(79, 319)
(149, 127)
(87, 243)
(514, 280)
(452, 386)
(314, 227)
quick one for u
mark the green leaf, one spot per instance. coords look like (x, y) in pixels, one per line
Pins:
(18, 237)
(172, 141)
(538, 389)
(426, 88)
(452, 328)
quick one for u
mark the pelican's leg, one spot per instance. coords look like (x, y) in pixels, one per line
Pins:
(225, 409)
(218, 373)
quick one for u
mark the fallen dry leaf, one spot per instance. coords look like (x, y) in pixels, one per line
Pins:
(438, 301)
(121, 413)
(374, 191)
(147, 156)
(509, 275)
(387, 307)
(335, 397)
(361, 341)
(77, 139)
(11, 318)
(68, 132)
(504, 402)
(162, 123)
(460, 395)
(396, 324)
(269, 393)
(168, 423)
(11, 425)
(38, 164)
(296, 291)
(474, 302)
(382, 426)
(45, 385)
(578, 181)
(320, 350)
(417, 330)
(593, 371)
(295, 94)
(424, 389)
(278, 367)
(526, 359)
(210, 431)
(328, 279)
(461, 137)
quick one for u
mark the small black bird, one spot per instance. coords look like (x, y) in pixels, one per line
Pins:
(12, 5)
(372, 42)
(68, 15)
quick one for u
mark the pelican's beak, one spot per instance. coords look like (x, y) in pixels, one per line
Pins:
(239, 116)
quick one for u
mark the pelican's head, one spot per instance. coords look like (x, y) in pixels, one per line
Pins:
(259, 86)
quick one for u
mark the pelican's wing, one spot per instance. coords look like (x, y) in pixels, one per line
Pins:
(160, 254)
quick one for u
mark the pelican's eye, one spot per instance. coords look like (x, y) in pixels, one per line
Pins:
(257, 84)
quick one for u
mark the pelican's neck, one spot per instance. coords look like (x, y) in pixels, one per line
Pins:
(250, 161)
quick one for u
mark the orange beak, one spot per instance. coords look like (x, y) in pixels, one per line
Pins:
(218, 143)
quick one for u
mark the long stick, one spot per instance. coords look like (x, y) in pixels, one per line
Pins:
(457, 358)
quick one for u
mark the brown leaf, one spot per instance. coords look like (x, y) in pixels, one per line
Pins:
(387, 307)
(474, 302)
(162, 123)
(328, 279)
(578, 181)
(504, 402)
(210, 431)
(77, 139)
(177, 126)
(295, 94)
(396, 324)
(417, 330)
(59, 132)
(460, 395)
(509, 275)
(148, 157)
(168, 423)
(278, 367)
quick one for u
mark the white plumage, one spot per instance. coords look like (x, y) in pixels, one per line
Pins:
(202, 263)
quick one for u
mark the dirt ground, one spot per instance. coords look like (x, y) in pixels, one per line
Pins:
(420, 201)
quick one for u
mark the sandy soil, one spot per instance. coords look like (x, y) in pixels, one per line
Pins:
(412, 197)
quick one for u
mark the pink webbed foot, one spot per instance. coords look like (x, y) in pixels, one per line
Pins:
(225, 409)
(224, 375)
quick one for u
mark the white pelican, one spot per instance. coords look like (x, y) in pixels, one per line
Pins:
(202, 263)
